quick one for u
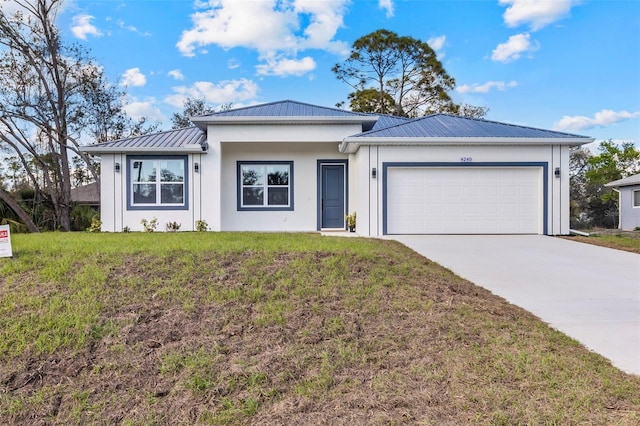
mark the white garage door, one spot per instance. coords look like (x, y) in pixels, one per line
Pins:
(464, 200)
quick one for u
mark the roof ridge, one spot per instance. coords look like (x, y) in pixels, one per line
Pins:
(284, 101)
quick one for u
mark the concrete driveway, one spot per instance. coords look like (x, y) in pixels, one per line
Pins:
(590, 293)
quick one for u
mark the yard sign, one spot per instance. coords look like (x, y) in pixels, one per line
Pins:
(5, 241)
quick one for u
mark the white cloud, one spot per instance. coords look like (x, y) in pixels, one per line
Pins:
(82, 27)
(605, 117)
(386, 5)
(133, 77)
(176, 74)
(514, 48)
(137, 109)
(486, 87)
(536, 13)
(131, 28)
(223, 92)
(233, 63)
(272, 28)
(437, 44)
(286, 67)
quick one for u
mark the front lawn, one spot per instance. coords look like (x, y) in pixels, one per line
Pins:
(244, 328)
(620, 240)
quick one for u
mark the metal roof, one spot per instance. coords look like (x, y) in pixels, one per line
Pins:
(179, 140)
(385, 121)
(286, 112)
(630, 180)
(286, 108)
(452, 126)
(376, 130)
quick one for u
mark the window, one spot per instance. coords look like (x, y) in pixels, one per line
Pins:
(157, 183)
(265, 185)
(636, 198)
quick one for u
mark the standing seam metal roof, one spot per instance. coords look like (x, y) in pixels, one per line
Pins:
(167, 139)
(286, 108)
(452, 126)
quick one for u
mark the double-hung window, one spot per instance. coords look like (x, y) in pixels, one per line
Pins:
(636, 198)
(157, 183)
(265, 185)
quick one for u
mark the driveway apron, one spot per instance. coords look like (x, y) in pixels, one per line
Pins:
(590, 293)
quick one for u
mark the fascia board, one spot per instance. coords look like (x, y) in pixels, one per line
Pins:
(187, 149)
(351, 144)
(200, 121)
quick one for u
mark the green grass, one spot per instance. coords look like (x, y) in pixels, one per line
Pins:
(249, 328)
(626, 241)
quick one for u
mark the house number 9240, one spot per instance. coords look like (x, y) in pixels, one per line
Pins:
(466, 159)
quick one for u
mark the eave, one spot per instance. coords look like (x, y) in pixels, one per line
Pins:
(351, 144)
(186, 149)
(203, 122)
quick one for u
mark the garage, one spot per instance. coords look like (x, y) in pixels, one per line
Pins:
(473, 199)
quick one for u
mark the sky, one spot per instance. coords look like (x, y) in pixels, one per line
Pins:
(567, 65)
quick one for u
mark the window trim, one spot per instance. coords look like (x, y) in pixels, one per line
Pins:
(132, 206)
(239, 186)
(633, 199)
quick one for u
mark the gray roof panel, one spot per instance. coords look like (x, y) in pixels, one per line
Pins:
(169, 139)
(628, 181)
(286, 108)
(452, 126)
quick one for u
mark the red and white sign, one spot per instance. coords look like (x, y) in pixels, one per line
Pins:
(5, 241)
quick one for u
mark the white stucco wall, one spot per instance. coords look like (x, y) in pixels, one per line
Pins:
(369, 197)
(305, 183)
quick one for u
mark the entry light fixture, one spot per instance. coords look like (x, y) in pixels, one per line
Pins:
(117, 167)
(374, 172)
(196, 167)
(557, 172)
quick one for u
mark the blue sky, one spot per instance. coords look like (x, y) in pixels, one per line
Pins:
(567, 65)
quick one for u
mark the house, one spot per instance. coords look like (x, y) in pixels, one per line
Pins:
(291, 166)
(628, 190)
(87, 195)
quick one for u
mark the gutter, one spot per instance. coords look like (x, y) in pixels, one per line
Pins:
(186, 149)
(351, 144)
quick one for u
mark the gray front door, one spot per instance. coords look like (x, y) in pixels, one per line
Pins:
(333, 195)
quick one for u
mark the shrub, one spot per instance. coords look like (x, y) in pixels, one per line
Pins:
(202, 226)
(172, 226)
(149, 225)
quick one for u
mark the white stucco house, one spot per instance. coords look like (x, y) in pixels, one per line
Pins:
(628, 190)
(291, 166)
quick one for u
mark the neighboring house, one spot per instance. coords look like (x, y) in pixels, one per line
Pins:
(290, 166)
(87, 195)
(628, 190)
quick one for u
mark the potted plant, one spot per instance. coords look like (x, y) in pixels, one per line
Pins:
(351, 221)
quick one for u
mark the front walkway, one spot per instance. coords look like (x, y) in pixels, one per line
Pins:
(588, 292)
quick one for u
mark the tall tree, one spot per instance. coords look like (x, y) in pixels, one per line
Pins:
(398, 75)
(51, 94)
(592, 203)
(192, 107)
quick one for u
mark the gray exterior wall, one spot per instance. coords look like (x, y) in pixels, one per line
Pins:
(629, 215)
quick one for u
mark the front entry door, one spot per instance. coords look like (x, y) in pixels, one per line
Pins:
(333, 192)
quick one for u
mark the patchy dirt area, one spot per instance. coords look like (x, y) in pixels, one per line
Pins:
(319, 337)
